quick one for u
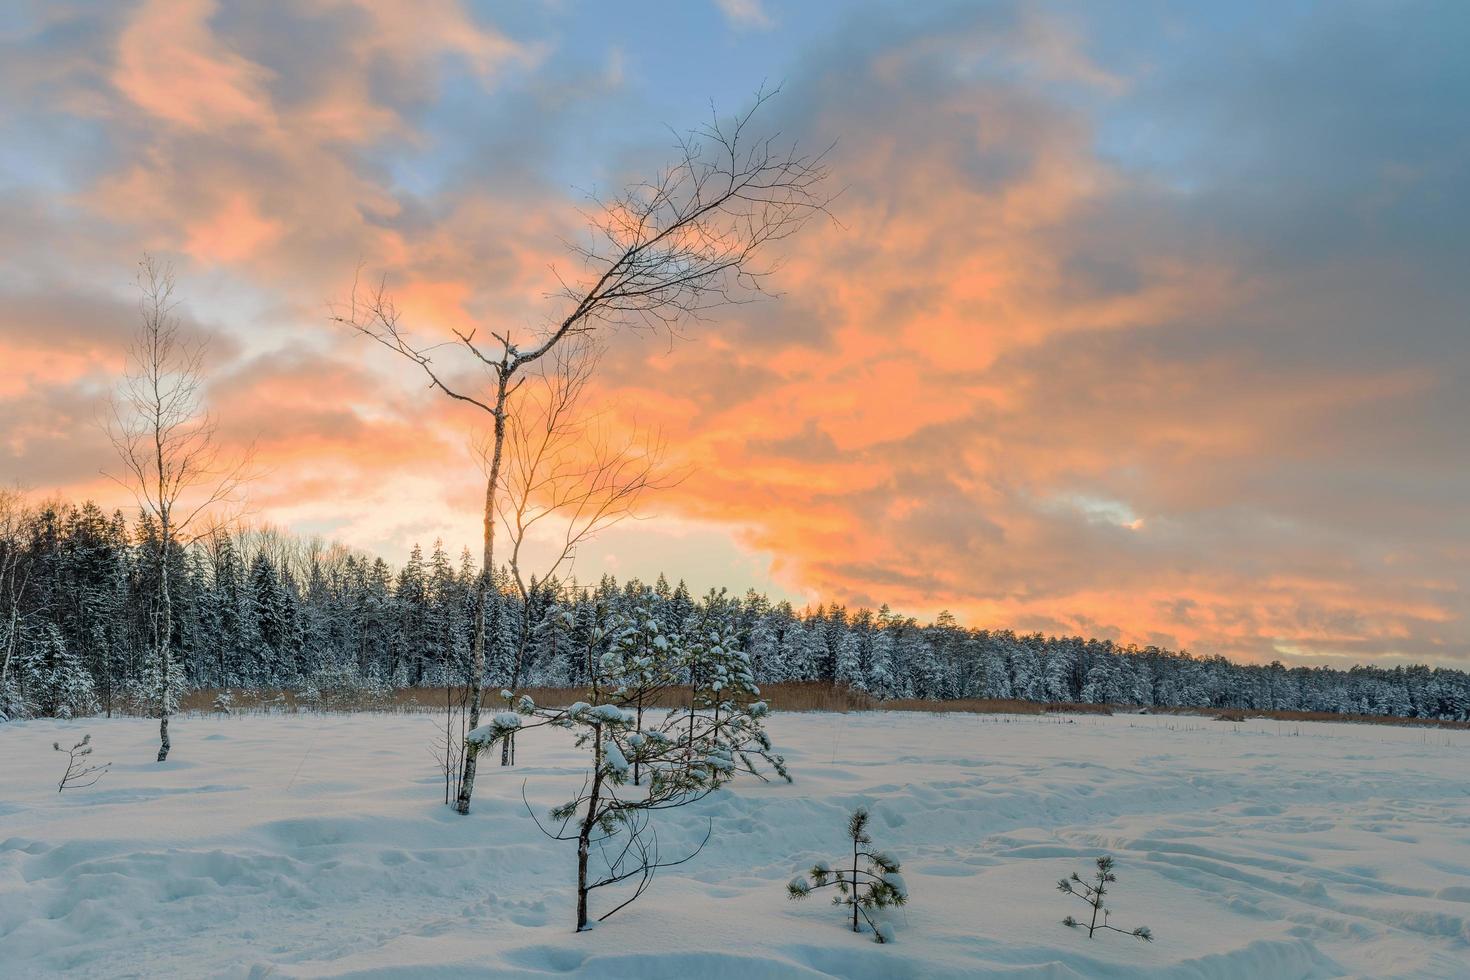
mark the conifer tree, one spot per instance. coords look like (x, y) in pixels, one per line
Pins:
(871, 882)
(685, 755)
(55, 678)
(1092, 893)
(885, 678)
(849, 664)
(80, 772)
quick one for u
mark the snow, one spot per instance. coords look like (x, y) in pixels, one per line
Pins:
(606, 714)
(312, 845)
(503, 723)
(614, 757)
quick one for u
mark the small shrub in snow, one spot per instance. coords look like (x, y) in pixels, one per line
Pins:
(223, 702)
(341, 688)
(873, 881)
(1092, 893)
(79, 772)
(678, 755)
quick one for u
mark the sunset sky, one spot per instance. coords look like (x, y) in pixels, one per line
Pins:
(1147, 321)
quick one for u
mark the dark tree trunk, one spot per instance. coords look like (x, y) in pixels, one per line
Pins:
(584, 834)
(165, 635)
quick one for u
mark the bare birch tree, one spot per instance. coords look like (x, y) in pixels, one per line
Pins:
(168, 445)
(693, 237)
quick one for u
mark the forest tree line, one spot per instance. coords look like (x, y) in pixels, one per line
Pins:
(260, 609)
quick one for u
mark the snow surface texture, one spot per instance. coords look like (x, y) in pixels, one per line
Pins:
(317, 846)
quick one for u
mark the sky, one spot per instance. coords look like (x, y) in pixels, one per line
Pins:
(1145, 321)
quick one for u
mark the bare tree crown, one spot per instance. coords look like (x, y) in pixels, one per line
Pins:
(165, 438)
(567, 473)
(692, 238)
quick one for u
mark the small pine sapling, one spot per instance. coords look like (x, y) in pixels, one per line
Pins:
(79, 773)
(877, 886)
(1092, 893)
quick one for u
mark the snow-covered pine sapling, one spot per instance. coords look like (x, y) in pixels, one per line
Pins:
(642, 660)
(722, 686)
(79, 772)
(872, 882)
(1092, 893)
(682, 756)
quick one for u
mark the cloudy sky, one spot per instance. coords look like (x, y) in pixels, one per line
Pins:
(1147, 320)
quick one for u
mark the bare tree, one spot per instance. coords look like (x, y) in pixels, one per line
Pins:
(565, 472)
(167, 443)
(692, 238)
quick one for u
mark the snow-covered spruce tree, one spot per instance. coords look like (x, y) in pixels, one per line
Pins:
(1092, 893)
(683, 756)
(56, 681)
(871, 882)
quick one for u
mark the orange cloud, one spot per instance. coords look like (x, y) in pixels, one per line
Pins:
(235, 233)
(170, 64)
(969, 429)
(1019, 380)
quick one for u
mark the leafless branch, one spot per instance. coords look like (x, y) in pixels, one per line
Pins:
(168, 446)
(695, 236)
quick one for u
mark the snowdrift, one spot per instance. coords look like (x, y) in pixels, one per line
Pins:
(306, 846)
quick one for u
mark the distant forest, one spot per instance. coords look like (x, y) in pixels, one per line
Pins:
(261, 609)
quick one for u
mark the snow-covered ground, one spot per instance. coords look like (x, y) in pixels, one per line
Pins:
(317, 846)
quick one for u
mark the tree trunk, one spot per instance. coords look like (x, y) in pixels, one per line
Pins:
(9, 643)
(854, 895)
(165, 635)
(584, 834)
(637, 765)
(584, 847)
(487, 572)
(693, 697)
(508, 747)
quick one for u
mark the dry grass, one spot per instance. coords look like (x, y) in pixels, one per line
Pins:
(1239, 715)
(790, 696)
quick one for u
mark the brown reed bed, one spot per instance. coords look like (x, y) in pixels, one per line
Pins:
(785, 696)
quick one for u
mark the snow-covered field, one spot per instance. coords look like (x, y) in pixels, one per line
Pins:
(317, 846)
